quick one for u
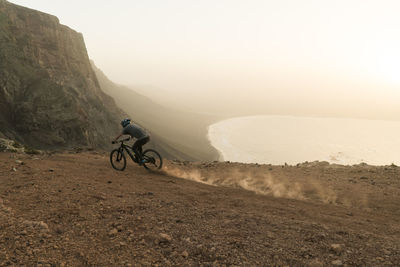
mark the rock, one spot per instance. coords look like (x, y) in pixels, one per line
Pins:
(14, 169)
(28, 223)
(165, 238)
(337, 263)
(185, 254)
(59, 230)
(19, 162)
(337, 248)
(10, 145)
(43, 225)
(112, 232)
(386, 252)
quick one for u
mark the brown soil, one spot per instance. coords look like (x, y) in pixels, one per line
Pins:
(75, 210)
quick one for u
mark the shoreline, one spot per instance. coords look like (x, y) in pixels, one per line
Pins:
(295, 140)
(221, 157)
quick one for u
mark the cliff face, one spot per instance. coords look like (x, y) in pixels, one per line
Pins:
(49, 94)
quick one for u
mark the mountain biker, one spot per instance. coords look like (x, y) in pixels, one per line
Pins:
(134, 131)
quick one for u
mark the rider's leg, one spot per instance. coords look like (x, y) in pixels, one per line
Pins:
(137, 147)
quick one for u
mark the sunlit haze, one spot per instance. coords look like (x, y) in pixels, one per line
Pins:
(289, 57)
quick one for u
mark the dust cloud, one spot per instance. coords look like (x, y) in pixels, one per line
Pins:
(258, 181)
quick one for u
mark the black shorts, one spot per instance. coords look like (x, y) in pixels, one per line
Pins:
(137, 146)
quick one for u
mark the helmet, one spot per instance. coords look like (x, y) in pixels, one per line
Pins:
(125, 122)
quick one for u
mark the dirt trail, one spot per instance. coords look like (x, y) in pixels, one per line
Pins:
(74, 210)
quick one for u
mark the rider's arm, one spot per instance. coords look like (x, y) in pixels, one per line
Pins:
(117, 137)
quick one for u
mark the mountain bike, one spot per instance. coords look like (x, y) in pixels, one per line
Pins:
(151, 159)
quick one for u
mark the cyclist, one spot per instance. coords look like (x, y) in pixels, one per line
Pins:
(135, 131)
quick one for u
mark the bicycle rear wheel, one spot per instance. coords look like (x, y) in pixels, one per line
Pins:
(152, 160)
(118, 159)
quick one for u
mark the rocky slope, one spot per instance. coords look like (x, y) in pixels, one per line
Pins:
(75, 210)
(175, 133)
(49, 94)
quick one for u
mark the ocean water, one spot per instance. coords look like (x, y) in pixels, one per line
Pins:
(292, 140)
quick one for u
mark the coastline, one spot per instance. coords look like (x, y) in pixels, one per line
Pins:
(221, 157)
(294, 140)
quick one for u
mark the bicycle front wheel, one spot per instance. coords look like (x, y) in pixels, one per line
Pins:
(118, 159)
(152, 160)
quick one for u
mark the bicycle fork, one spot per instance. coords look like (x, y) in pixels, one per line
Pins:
(119, 155)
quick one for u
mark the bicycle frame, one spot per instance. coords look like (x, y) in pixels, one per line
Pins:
(127, 148)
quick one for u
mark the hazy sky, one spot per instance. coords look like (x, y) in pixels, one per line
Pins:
(308, 57)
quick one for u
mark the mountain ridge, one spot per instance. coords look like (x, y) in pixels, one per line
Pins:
(176, 133)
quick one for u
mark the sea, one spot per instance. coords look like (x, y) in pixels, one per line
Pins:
(292, 140)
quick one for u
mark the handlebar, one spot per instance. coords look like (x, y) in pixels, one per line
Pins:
(121, 141)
